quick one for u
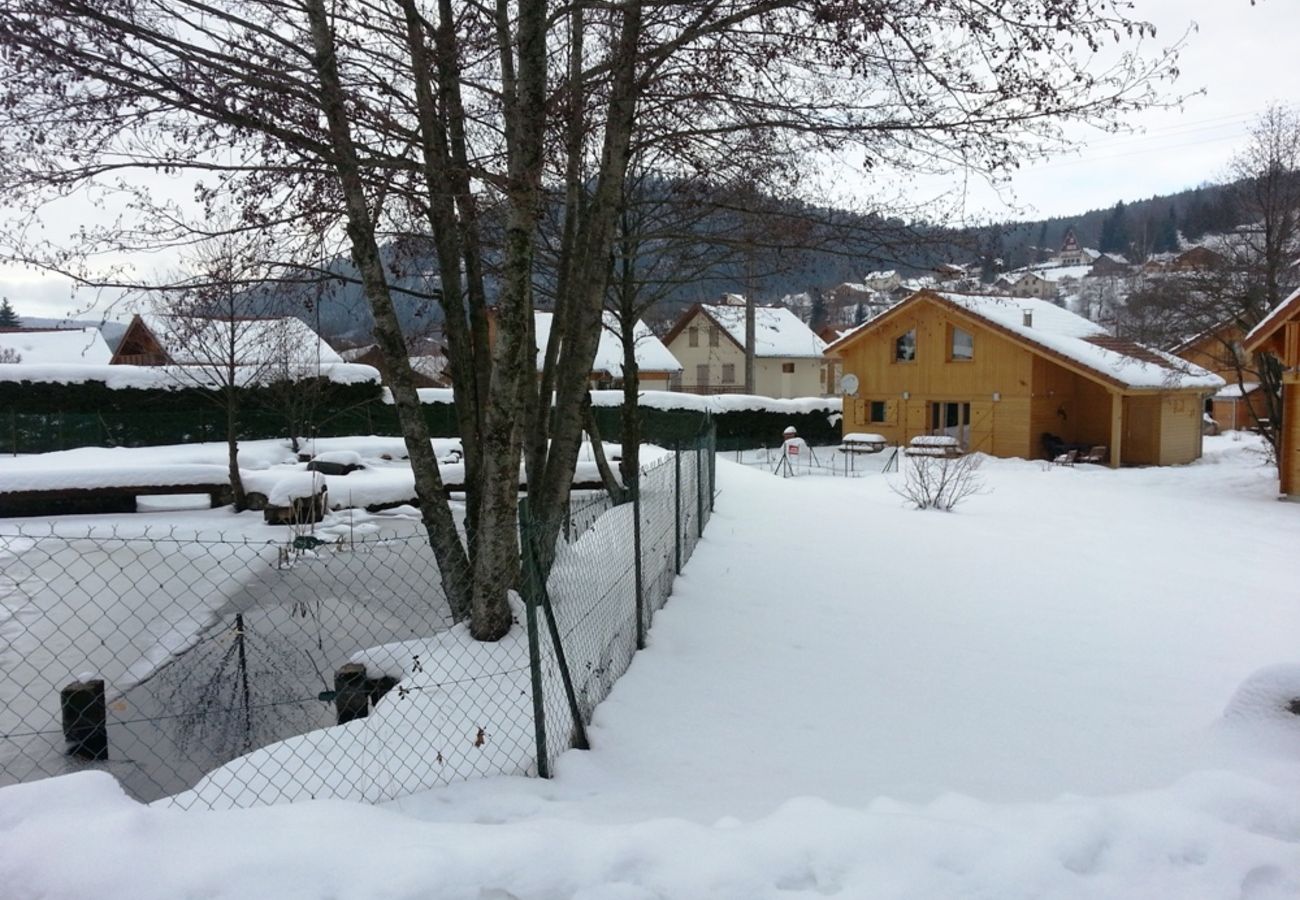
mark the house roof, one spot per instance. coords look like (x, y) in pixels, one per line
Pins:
(84, 346)
(1268, 326)
(202, 341)
(651, 354)
(1069, 338)
(778, 333)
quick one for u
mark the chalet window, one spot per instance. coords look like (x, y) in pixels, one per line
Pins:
(693, 336)
(702, 374)
(714, 336)
(905, 346)
(787, 368)
(961, 345)
(728, 373)
(876, 411)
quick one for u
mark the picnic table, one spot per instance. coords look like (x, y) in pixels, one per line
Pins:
(857, 442)
(938, 445)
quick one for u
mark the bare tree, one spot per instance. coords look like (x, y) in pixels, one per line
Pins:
(215, 347)
(351, 124)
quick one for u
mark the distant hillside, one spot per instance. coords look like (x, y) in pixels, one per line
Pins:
(112, 331)
(838, 247)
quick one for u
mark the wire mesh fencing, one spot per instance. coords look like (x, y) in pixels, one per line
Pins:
(223, 671)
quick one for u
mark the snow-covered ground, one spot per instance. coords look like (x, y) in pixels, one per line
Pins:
(1034, 696)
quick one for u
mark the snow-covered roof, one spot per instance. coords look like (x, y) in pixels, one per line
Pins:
(1072, 337)
(1236, 391)
(777, 331)
(651, 354)
(196, 340)
(165, 378)
(1061, 273)
(1084, 342)
(884, 275)
(84, 346)
(1271, 322)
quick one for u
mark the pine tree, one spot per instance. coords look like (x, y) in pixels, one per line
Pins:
(8, 318)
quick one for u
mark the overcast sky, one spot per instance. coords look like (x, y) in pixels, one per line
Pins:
(1242, 56)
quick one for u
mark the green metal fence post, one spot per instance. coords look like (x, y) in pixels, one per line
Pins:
(534, 642)
(677, 505)
(637, 563)
(699, 488)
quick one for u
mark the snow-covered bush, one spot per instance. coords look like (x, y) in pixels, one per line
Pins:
(939, 482)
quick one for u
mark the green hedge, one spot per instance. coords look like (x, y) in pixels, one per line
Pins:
(40, 417)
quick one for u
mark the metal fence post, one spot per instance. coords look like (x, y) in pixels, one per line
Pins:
(637, 562)
(699, 488)
(677, 505)
(534, 640)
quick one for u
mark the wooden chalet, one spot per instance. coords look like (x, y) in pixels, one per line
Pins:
(1279, 334)
(1001, 373)
(1239, 404)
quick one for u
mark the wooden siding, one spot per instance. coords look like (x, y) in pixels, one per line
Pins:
(1141, 431)
(1035, 395)
(1180, 429)
(1289, 449)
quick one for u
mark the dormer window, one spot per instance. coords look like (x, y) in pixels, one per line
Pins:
(905, 346)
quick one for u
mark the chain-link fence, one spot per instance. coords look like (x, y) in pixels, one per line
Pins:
(218, 670)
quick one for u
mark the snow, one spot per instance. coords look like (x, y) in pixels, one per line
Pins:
(934, 440)
(161, 377)
(677, 400)
(777, 331)
(24, 475)
(1236, 391)
(1041, 695)
(81, 346)
(1070, 335)
(651, 354)
(205, 341)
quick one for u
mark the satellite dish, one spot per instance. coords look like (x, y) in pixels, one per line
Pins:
(849, 384)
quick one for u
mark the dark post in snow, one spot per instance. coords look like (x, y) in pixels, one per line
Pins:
(351, 692)
(677, 505)
(637, 564)
(85, 719)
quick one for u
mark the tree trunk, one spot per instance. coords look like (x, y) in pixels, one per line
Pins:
(232, 449)
(435, 511)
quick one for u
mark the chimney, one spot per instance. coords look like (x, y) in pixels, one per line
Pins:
(1029, 317)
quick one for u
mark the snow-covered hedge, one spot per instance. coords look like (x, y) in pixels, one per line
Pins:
(132, 406)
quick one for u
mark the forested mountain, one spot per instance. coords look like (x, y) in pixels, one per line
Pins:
(795, 248)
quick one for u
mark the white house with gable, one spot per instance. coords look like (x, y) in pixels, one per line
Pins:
(709, 340)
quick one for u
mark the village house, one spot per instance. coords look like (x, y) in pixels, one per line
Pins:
(1279, 335)
(709, 340)
(429, 367)
(883, 281)
(1003, 374)
(1239, 404)
(1071, 254)
(282, 345)
(53, 346)
(1026, 284)
(655, 364)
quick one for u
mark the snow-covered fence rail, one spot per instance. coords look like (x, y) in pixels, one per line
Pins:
(222, 657)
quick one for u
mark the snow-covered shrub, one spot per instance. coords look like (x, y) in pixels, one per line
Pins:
(939, 482)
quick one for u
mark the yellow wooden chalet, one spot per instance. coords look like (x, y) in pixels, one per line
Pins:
(1019, 377)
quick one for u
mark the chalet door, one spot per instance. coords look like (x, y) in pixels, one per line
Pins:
(951, 420)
